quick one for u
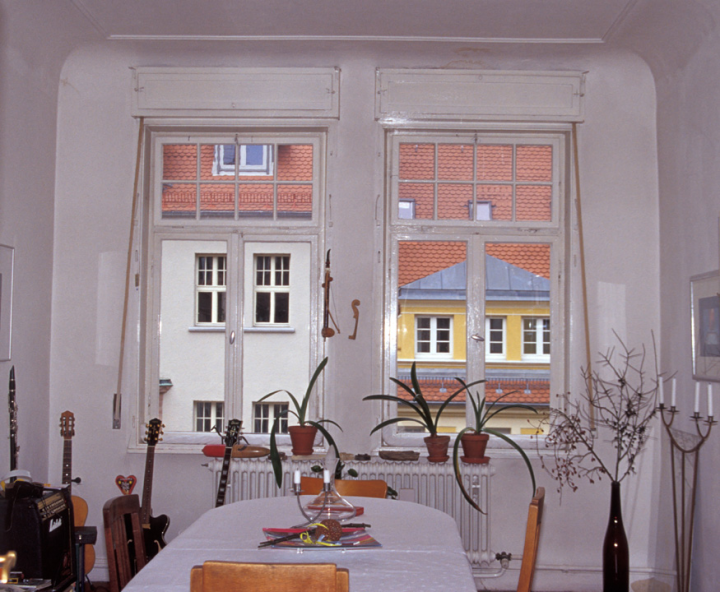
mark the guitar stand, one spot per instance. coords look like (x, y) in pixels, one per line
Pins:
(84, 535)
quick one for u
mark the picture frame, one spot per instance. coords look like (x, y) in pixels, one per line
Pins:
(7, 261)
(705, 313)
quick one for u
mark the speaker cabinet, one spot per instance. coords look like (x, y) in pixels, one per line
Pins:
(37, 523)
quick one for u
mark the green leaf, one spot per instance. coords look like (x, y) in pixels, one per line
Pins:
(275, 455)
(303, 408)
(327, 435)
(516, 446)
(506, 407)
(458, 472)
(393, 420)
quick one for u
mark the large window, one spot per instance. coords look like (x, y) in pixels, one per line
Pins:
(471, 291)
(242, 216)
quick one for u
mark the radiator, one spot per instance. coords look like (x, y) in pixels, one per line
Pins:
(430, 484)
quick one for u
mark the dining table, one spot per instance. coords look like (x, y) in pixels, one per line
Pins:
(419, 547)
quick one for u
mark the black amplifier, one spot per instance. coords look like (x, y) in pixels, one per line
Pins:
(37, 523)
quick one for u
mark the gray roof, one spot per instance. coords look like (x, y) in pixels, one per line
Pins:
(503, 281)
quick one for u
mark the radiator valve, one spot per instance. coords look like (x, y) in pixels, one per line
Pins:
(504, 559)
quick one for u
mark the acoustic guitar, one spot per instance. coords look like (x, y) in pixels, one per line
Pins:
(80, 507)
(154, 528)
(231, 437)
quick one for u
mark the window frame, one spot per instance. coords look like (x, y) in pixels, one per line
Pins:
(236, 232)
(539, 341)
(215, 289)
(272, 289)
(492, 356)
(555, 232)
(213, 415)
(433, 354)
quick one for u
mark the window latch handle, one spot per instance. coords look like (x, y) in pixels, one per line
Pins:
(477, 337)
(232, 337)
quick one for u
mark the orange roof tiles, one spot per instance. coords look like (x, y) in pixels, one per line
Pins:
(539, 391)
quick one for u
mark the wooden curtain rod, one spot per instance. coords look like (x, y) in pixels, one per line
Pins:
(117, 399)
(581, 244)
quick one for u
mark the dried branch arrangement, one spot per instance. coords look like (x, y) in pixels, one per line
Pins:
(604, 429)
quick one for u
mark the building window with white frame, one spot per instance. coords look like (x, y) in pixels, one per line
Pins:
(495, 337)
(252, 159)
(480, 272)
(433, 336)
(209, 415)
(210, 289)
(265, 414)
(536, 337)
(272, 289)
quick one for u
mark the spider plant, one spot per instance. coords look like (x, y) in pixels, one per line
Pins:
(300, 412)
(482, 413)
(418, 403)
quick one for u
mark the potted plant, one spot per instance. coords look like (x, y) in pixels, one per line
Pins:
(474, 439)
(437, 445)
(303, 434)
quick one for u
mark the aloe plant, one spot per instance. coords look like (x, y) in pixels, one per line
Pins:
(418, 403)
(482, 413)
(300, 411)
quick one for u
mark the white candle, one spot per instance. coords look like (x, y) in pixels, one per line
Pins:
(296, 477)
(673, 400)
(710, 409)
(326, 476)
(661, 393)
(697, 397)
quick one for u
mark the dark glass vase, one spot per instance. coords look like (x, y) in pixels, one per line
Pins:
(616, 556)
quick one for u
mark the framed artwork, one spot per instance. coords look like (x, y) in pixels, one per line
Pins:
(7, 256)
(705, 308)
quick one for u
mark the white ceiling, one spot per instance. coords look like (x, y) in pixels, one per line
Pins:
(529, 21)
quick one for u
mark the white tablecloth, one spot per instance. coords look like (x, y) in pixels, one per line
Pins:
(421, 548)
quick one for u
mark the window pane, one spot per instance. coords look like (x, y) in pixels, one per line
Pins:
(282, 307)
(417, 161)
(193, 362)
(262, 307)
(295, 201)
(431, 308)
(422, 195)
(217, 162)
(533, 203)
(179, 162)
(534, 163)
(454, 201)
(221, 307)
(217, 201)
(500, 198)
(494, 163)
(204, 307)
(455, 162)
(255, 200)
(179, 200)
(295, 162)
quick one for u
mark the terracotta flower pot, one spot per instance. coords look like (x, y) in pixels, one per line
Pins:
(302, 438)
(437, 448)
(473, 446)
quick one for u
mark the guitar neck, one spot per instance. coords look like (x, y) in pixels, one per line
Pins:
(13, 421)
(145, 509)
(67, 464)
(222, 487)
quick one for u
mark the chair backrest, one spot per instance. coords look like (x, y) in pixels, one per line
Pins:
(123, 539)
(358, 487)
(532, 537)
(215, 576)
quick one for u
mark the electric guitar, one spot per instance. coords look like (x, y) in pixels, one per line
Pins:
(231, 437)
(154, 528)
(80, 507)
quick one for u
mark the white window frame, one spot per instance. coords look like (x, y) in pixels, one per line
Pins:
(266, 420)
(220, 168)
(236, 233)
(494, 356)
(214, 415)
(540, 331)
(214, 288)
(433, 354)
(477, 233)
(272, 289)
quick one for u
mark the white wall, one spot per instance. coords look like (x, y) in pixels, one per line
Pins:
(688, 93)
(92, 201)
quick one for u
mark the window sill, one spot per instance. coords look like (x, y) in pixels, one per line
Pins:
(206, 329)
(268, 330)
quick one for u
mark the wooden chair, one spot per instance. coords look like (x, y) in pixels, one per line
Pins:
(121, 517)
(215, 576)
(358, 487)
(532, 537)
